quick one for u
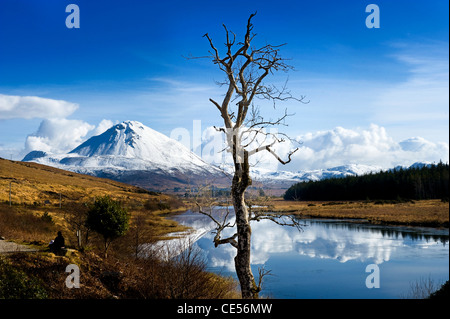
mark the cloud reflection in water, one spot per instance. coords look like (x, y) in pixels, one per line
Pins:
(322, 239)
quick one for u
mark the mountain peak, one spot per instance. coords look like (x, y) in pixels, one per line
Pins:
(130, 125)
(130, 139)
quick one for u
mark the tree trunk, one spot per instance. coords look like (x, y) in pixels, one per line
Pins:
(241, 181)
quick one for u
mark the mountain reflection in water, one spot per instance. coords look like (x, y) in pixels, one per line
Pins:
(334, 239)
(319, 250)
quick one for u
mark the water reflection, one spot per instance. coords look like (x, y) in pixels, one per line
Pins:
(328, 258)
(321, 239)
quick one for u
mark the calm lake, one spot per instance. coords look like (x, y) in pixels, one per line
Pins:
(328, 258)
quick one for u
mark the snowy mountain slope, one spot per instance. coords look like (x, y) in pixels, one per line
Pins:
(261, 174)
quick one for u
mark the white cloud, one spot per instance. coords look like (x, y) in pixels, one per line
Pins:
(58, 135)
(28, 107)
(103, 126)
(336, 147)
(373, 146)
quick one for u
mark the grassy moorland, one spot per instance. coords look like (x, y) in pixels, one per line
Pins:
(45, 200)
(433, 213)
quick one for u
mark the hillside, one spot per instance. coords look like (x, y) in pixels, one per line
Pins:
(36, 184)
(45, 199)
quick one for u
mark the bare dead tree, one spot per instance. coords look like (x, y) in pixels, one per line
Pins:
(246, 67)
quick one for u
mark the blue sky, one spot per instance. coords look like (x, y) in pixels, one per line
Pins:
(126, 62)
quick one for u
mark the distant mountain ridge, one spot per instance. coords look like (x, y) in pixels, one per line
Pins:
(318, 174)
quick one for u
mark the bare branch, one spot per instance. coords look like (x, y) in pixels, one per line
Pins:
(262, 272)
(205, 206)
(216, 54)
(262, 148)
(278, 218)
(230, 240)
(216, 104)
(278, 158)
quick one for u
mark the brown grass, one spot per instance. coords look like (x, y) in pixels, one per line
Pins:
(35, 184)
(434, 213)
(26, 225)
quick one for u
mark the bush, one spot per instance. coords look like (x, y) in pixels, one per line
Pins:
(169, 203)
(109, 219)
(182, 274)
(425, 288)
(47, 218)
(151, 205)
(15, 284)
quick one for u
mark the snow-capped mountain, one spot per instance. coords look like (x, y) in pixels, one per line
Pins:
(416, 165)
(288, 178)
(318, 174)
(132, 152)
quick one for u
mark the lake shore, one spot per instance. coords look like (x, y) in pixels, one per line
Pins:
(427, 213)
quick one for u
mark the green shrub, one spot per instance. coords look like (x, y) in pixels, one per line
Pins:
(15, 284)
(108, 218)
